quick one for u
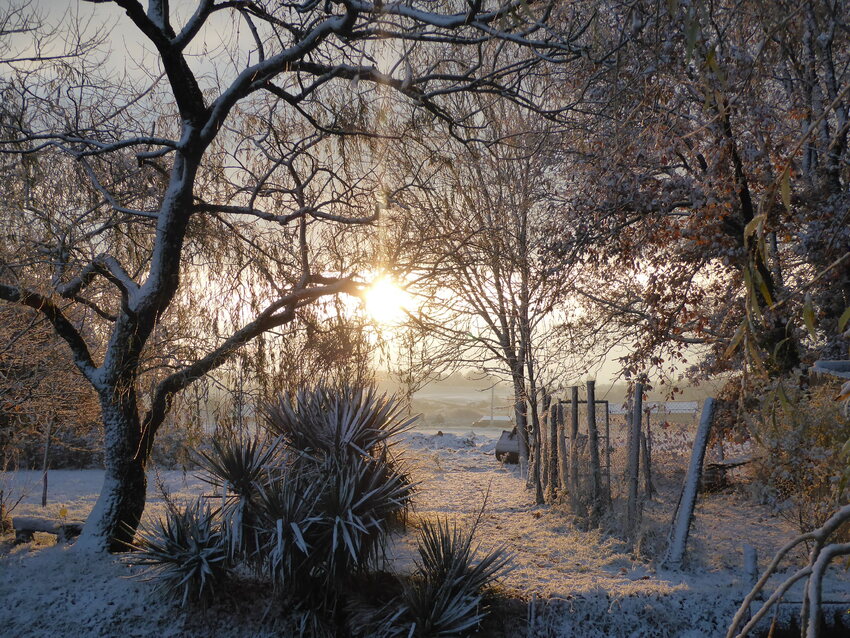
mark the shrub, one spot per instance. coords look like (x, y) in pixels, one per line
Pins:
(312, 513)
(239, 469)
(326, 422)
(801, 435)
(184, 552)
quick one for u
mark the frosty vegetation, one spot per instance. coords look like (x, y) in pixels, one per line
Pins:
(197, 197)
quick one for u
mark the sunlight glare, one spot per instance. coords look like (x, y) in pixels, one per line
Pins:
(387, 302)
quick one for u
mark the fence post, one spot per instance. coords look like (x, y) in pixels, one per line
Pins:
(634, 460)
(646, 452)
(552, 465)
(681, 527)
(563, 472)
(544, 447)
(539, 459)
(595, 468)
(574, 485)
(607, 455)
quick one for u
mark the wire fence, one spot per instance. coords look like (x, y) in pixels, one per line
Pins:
(601, 462)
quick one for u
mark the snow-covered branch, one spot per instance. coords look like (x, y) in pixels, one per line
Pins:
(105, 265)
(64, 328)
(276, 314)
(820, 557)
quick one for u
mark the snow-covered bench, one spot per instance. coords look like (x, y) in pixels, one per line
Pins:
(26, 526)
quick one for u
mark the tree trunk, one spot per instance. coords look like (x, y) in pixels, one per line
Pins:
(520, 411)
(113, 522)
(46, 461)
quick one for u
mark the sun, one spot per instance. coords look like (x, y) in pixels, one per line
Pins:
(387, 302)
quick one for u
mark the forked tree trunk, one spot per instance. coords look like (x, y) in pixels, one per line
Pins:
(116, 515)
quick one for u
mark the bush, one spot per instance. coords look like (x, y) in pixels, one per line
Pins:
(801, 434)
(324, 422)
(185, 553)
(238, 470)
(310, 511)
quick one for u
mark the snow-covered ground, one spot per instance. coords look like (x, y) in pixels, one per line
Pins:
(578, 584)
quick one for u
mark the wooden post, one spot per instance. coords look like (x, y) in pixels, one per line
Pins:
(607, 455)
(45, 461)
(595, 468)
(542, 451)
(634, 460)
(563, 470)
(645, 465)
(649, 432)
(646, 447)
(538, 452)
(681, 527)
(552, 465)
(751, 566)
(751, 572)
(575, 487)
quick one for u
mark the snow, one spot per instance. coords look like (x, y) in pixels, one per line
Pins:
(578, 584)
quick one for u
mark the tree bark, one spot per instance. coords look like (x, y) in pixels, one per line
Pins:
(113, 522)
(520, 411)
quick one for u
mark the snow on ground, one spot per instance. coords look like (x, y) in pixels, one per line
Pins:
(579, 584)
(595, 586)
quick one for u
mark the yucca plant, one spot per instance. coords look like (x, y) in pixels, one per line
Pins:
(184, 553)
(240, 465)
(327, 421)
(361, 499)
(239, 468)
(444, 599)
(288, 508)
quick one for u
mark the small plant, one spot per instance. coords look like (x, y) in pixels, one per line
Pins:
(445, 595)
(445, 599)
(184, 552)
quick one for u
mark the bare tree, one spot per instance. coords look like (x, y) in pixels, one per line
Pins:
(238, 152)
(478, 251)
